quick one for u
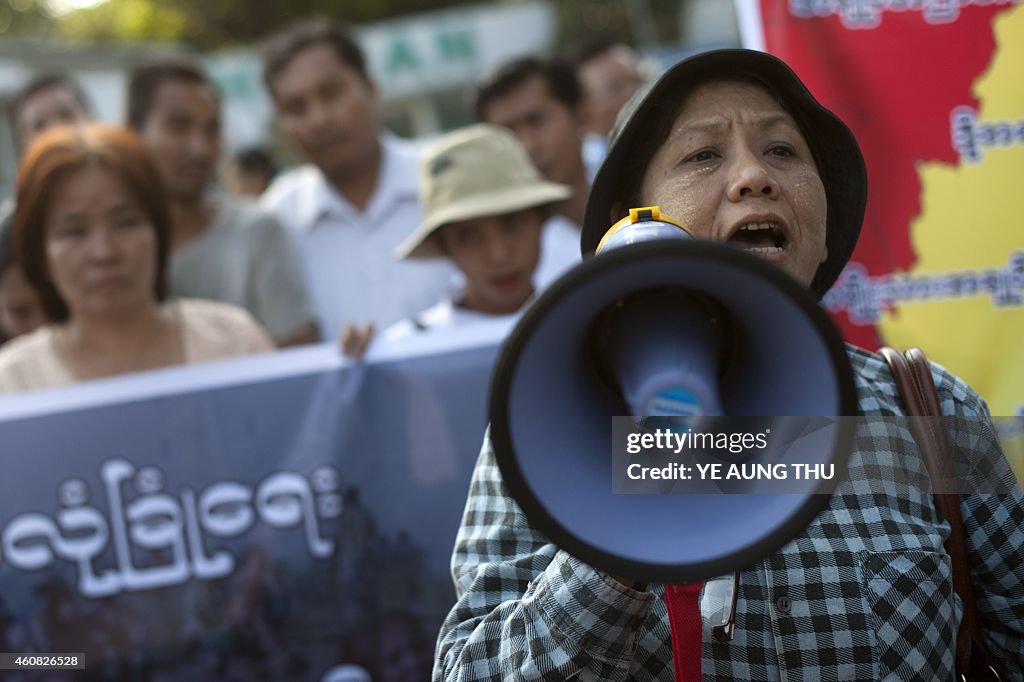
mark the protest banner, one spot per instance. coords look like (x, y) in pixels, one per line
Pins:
(279, 517)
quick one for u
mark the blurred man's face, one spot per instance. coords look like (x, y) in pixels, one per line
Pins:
(550, 131)
(182, 131)
(51, 106)
(328, 112)
(608, 80)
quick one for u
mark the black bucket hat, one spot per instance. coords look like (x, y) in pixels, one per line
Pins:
(836, 152)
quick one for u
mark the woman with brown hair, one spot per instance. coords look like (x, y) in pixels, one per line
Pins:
(92, 235)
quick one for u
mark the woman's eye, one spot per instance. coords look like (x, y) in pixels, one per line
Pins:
(781, 150)
(69, 232)
(127, 219)
(702, 155)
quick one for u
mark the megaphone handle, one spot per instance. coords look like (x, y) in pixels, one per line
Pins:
(683, 601)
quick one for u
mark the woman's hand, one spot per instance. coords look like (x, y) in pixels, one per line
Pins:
(355, 339)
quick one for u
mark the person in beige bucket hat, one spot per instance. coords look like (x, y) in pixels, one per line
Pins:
(477, 172)
(485, 205)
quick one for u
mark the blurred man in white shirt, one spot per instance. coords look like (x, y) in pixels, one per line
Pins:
(356, 199)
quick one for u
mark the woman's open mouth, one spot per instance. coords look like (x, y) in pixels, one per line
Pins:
(762, 238)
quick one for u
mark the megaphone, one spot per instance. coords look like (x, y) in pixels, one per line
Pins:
(659, 323)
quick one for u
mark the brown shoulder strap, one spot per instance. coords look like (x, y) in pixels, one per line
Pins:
(913, 375)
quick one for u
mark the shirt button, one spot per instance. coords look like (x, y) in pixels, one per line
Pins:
(783, 605)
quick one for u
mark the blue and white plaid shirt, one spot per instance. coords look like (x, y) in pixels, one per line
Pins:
(863, 594)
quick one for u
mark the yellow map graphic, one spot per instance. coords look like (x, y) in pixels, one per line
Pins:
(971, 220)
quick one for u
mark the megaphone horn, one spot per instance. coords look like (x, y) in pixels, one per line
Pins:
(659, 323)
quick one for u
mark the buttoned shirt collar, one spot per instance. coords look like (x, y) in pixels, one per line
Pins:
(396, 183)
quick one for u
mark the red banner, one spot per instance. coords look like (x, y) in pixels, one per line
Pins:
(931, 89)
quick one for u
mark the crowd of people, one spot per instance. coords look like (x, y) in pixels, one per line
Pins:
(239, 257)
(123, 257)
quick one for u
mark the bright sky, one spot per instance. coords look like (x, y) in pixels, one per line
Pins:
(61, 7)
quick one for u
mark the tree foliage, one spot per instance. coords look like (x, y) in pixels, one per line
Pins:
(25, 17)
(212, 24)
(127, 21)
